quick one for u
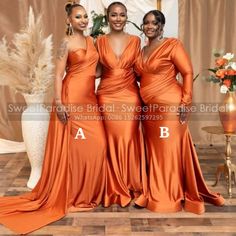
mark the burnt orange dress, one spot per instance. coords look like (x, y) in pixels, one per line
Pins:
(118, 95)
(73, 174)
(175, 180)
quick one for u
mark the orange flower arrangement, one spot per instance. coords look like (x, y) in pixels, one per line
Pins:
(224, 72)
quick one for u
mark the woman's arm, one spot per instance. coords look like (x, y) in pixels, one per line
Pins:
(137, 59)
(61, 60)
(99, 65)
(184, 66)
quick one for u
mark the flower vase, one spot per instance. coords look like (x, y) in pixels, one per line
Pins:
(34, 121)
(227, 113)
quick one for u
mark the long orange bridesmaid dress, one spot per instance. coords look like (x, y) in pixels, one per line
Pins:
(118, 95)
(73, 174)
(175, 180)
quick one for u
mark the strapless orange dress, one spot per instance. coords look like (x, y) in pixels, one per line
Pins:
(118, 95)
(73, 174)
(175, 179)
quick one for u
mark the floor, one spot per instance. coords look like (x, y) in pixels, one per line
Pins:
(14, 171)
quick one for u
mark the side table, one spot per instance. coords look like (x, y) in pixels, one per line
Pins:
(228, 168)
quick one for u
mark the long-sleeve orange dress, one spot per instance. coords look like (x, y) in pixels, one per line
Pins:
(73, 174)
(175, 180)
(118, 95)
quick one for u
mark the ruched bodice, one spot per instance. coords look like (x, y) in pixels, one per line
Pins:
(83, 61)
(118, 73)
(81, 65)
(158, 72)
(114, 80)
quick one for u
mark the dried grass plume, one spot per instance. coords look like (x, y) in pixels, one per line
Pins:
(27, 66)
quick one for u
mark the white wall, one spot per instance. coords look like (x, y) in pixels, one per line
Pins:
(170, 10)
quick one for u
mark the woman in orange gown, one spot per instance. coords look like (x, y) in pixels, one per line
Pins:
(175, 180)
(73, 174)
(118, 94)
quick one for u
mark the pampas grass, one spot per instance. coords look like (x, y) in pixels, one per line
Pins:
(27, 66)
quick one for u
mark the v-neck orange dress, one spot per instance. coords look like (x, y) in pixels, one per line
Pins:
(118, 95)
(175, 179)
(73, 174)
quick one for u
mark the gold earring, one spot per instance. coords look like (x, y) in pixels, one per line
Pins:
(69, 30)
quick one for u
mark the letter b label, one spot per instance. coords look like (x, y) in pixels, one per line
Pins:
(164, 132)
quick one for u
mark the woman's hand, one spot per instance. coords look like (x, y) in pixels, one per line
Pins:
(183, 114)
(62, 114)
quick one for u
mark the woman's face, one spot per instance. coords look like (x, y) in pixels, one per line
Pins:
(117, 18)
(78, 19)
(151, 28)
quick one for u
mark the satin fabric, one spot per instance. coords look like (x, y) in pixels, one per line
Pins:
(175, 180)
(73, 174)
(118, 90)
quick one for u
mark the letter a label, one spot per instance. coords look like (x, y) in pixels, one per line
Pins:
(80, 133)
